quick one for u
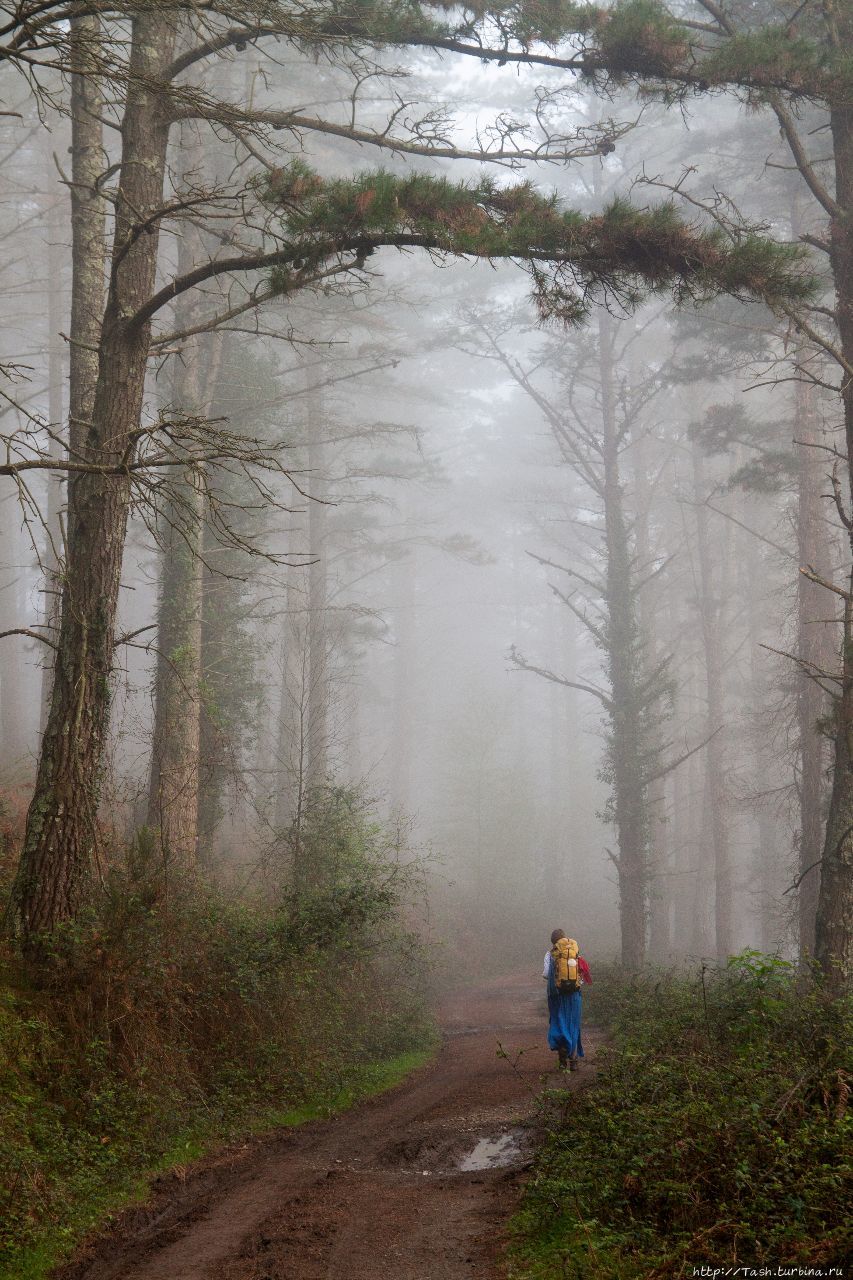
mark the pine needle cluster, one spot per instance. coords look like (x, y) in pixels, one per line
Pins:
(623, 253)
(637, 41)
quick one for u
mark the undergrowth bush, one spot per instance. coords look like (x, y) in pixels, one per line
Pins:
(172, 1013)
(717, 1132)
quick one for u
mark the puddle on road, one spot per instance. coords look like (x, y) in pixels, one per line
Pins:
(493, 1153)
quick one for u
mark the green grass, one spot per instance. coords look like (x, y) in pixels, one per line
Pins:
(369, 1081)
(125, 1186)
(718, 1131)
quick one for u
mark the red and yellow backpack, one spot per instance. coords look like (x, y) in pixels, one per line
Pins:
(565, 956)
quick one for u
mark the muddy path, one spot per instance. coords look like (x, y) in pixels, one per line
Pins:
(395, 1187)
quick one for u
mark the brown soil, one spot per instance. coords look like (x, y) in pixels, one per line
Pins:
(373, 1193)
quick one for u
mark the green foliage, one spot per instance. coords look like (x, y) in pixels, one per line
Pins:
(173, 1015)
(340, 850)
(774, 56)
(759, 266)
(643, 41)
(638, 41)
(717, 1131)
(774, 472)
(382, 22)
(546, 20)
(640, 36)
(624, 252)
(725, 426)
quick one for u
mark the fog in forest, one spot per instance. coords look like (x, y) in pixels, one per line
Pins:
(525, 591)
(426, 638)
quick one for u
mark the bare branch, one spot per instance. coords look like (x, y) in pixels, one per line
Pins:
(798, 151)
(777, 546)
(25, 631)
(672, 765)
(814, 576)
(801, 877)
(521, 663)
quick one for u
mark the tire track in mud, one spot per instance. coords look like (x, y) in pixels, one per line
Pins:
(376, 1191)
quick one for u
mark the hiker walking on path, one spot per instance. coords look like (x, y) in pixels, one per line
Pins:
(565, 971)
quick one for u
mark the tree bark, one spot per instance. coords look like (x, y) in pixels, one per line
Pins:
(227, 677)
(317, 764)
(173, 801)
(833, 941)
(55, 492)
(88, 257)
(292, 709)
(13, 715)
(767, 846)
(61, 830)
(817, 647)
(174, 788)
(405, 665)
(710, 610)
(303, 726)
(623, 663)
(659, 853)
(691, 845)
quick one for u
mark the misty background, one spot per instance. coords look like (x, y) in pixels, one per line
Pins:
(418, 615)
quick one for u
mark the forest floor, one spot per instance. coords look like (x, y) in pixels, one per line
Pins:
(391, 1188)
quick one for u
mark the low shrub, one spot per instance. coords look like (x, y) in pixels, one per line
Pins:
(717, 1132)
(172, 1014)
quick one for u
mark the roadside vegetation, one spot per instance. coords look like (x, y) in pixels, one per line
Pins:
(717, 1132)
(173, 1017)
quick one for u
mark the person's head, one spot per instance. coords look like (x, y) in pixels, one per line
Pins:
(556, 936)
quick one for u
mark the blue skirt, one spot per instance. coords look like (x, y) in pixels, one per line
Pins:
(564, 1022)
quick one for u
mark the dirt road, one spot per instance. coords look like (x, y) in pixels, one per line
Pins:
(395, 1188)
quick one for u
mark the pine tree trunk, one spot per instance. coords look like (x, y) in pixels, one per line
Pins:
(13, 717)
(660, 896)
(88, 257)
(834, 911)
(61, 830)
(683, 807)
(292, 710)
(173, 802)
(626, 745)
(767, 859)
(223, 602)
(816, 647)
(174, 793)
(174, 789)
(303, 731)
(710, 610)
(690, 838)
(88, 231)
(405, 592)
(659, 854)
(55, 492)
(317, 747)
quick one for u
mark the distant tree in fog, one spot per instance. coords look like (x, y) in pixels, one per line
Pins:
(597, 406)
(787, 61)
(291, 232)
